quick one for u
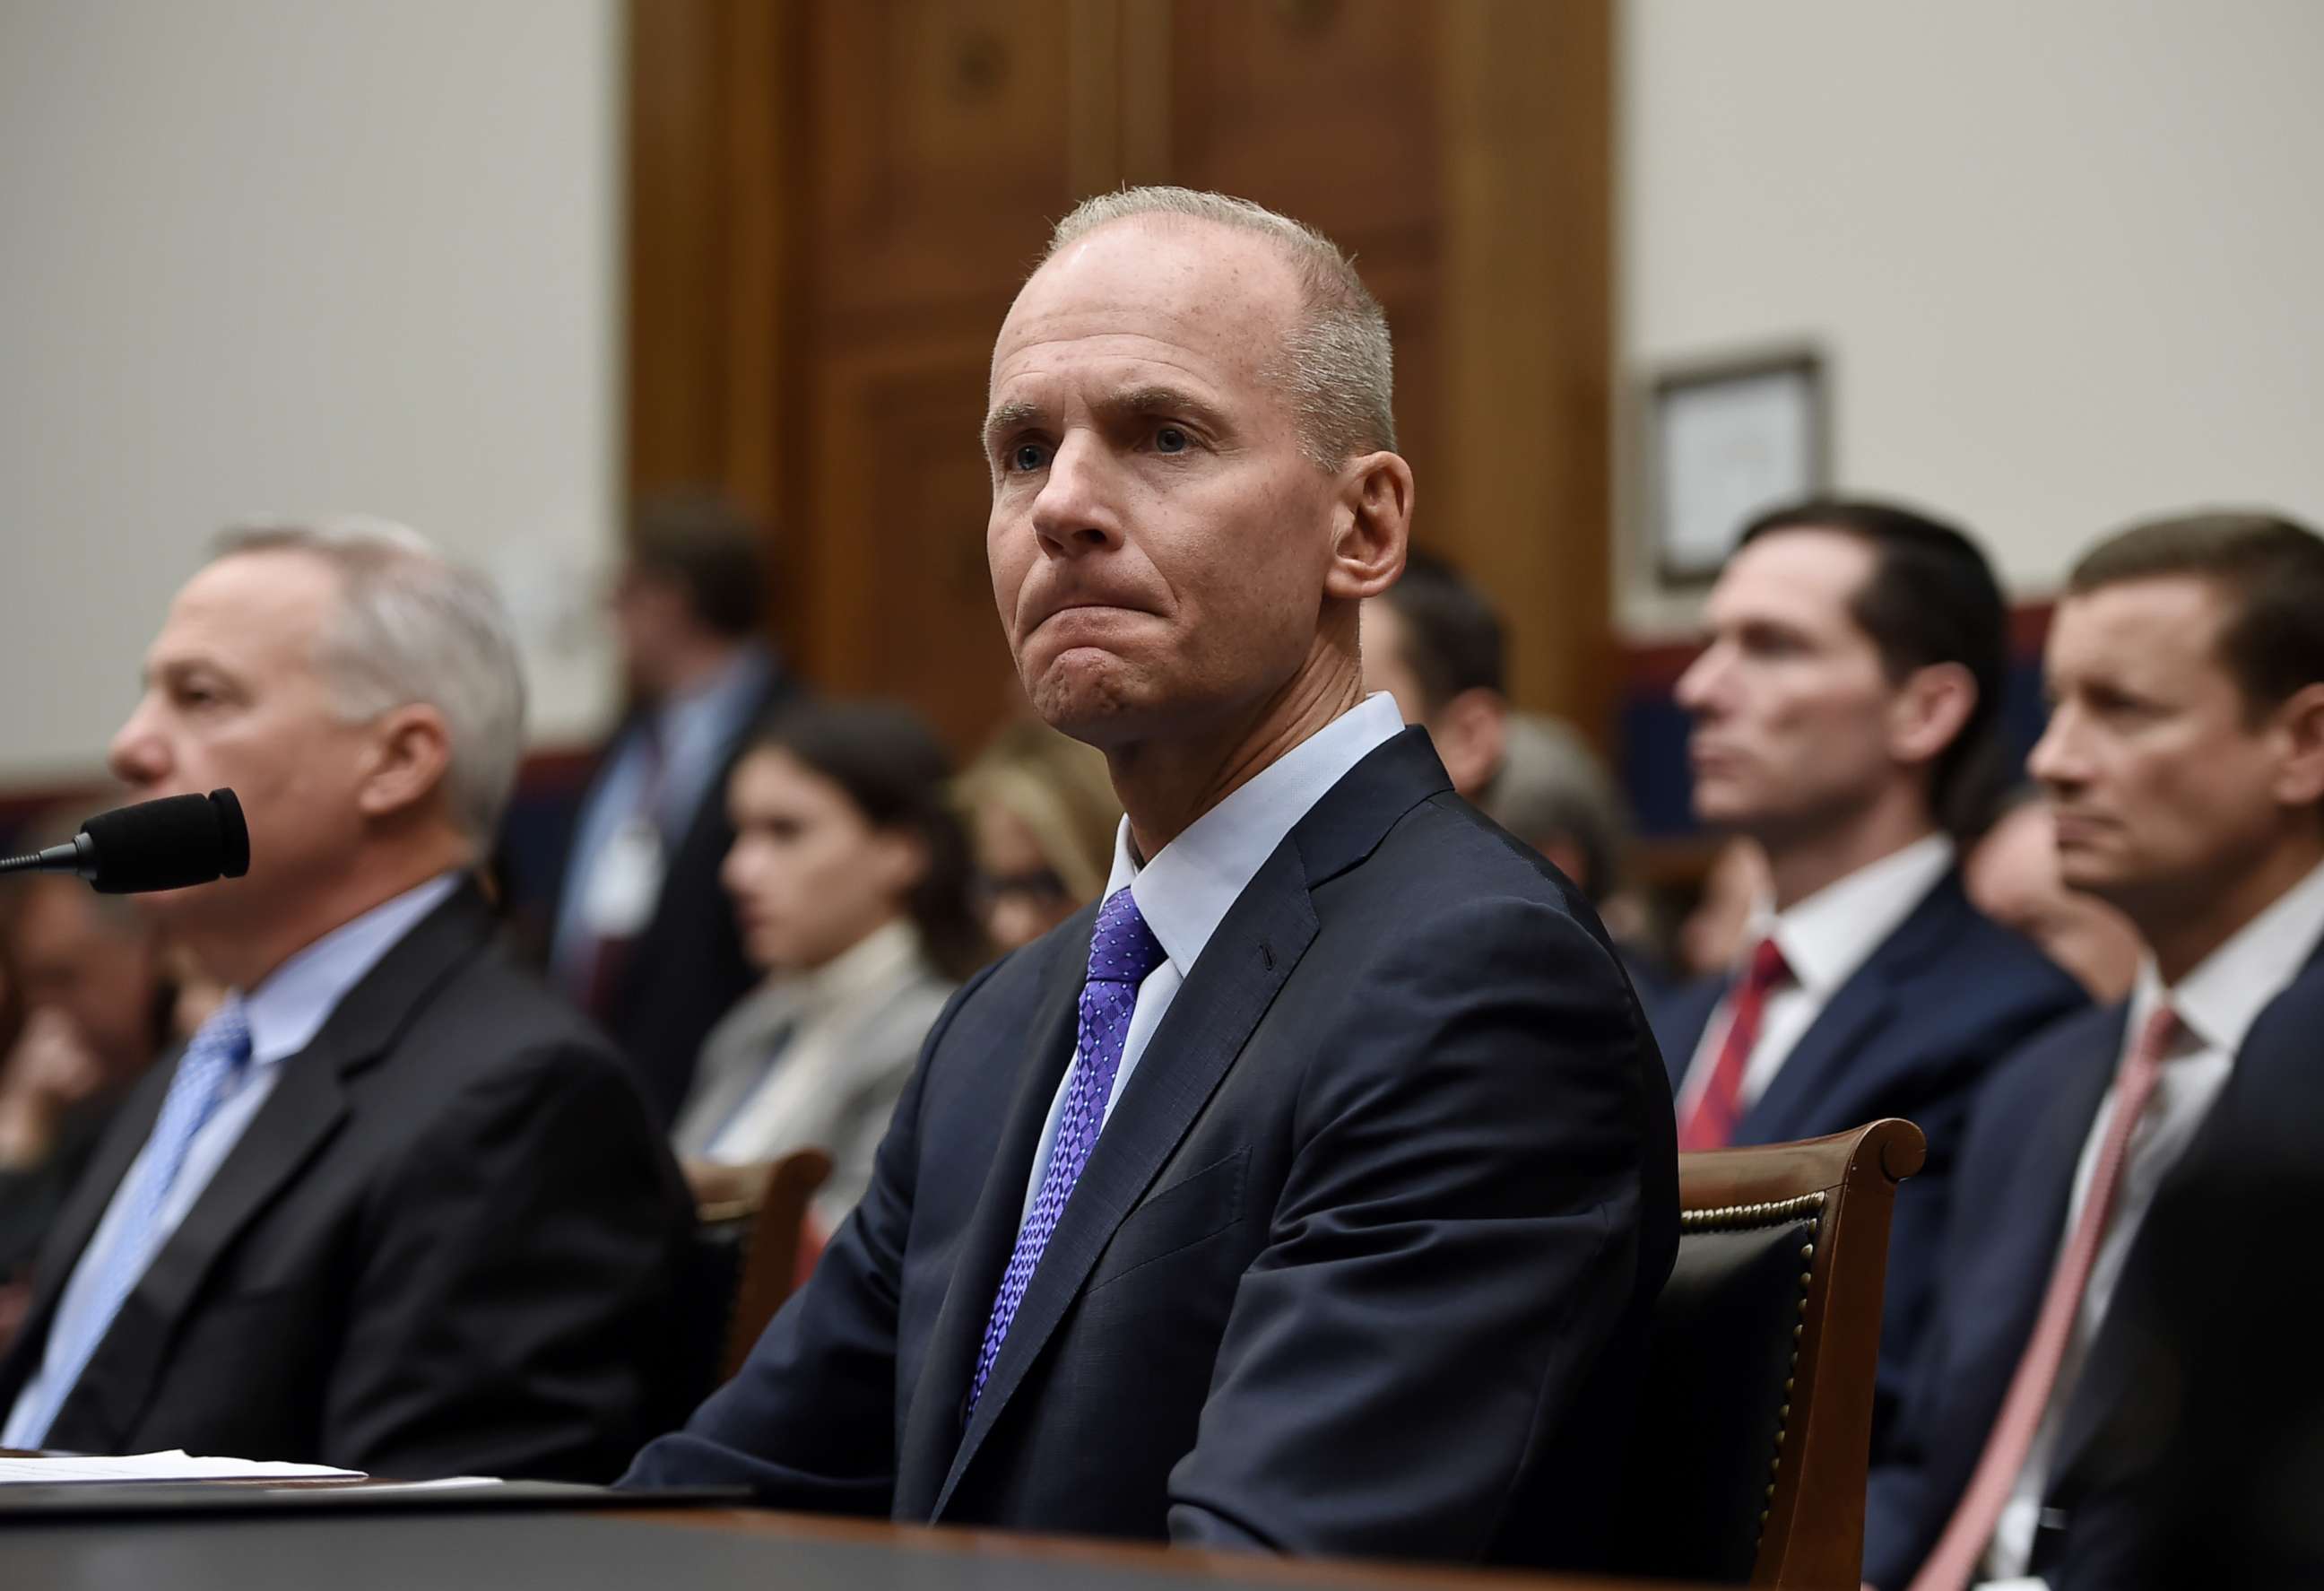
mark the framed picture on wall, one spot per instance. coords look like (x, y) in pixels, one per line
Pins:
(1726, 441)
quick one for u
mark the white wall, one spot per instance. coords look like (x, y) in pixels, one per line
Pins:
(297, 256)
(2066, 257)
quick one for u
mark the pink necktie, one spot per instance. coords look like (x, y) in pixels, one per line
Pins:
(1966, 1535)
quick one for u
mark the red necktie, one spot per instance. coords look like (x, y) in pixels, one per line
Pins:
(1711, 1125)
(1970, 1531)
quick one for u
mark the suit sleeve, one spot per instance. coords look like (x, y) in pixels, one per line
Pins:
(502, 1318)
(1458, 1237)
(809, 1421)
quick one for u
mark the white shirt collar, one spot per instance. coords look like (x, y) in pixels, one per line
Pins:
(2223, 996)
(1825, 938)
(293, 1002)
(1185, 892)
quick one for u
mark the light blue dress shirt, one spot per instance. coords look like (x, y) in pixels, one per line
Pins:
(286, 1011)
(1187, 890)
(696, 729)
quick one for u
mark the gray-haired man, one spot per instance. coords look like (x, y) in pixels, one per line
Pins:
(394, 1208)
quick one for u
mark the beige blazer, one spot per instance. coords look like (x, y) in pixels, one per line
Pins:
(816, 1060)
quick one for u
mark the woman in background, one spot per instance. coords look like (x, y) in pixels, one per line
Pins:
(850, 879)
(1044, 814)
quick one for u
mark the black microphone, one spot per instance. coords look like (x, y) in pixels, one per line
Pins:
(164, 845)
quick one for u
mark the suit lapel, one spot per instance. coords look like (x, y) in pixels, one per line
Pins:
(302, 1113)
(1829, 1063)
(2258, 1083)
(299, 1116)
(1245, 963)
(76, 1223)
(932, 1432)
(1679, 1025)
(1233, 981)
(2043, 1192)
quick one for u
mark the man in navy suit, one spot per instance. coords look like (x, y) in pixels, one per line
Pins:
(1844, 713)
(1310, 1192)
(2185, 759)
(638, 932)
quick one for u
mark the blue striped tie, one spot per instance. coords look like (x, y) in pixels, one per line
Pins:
(215, 1058)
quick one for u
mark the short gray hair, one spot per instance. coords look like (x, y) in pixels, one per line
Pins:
(1337, 362)
(414, 627)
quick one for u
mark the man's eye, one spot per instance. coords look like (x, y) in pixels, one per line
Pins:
(1171, 439)
(1027, 456)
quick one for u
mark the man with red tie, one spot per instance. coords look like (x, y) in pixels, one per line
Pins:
(1846, 711)
(2185, 758)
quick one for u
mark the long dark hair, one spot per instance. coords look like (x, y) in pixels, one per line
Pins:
(893, 768)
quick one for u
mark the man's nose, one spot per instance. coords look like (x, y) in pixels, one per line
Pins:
(139, 755)
(1698, 687)
(1077, 510)
(2055, 761)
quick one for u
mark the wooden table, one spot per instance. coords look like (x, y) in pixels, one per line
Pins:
(640, 1550)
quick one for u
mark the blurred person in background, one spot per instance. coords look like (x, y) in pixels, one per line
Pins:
(1043, 815)
(395, 1207)
(1435, 644)
(1710, 937)
(850, 879)
(641, 936)
(2184, 763)
(2012, 876)
(1845, 709)
(98, 1008)
(1554, 793)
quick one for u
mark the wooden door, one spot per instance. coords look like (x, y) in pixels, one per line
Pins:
(832, 205)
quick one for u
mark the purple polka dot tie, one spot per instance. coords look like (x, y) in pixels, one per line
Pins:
(1122, 951)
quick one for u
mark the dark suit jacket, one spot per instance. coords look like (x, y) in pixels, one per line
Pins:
(31, 1198)
(2217, 1486)
(1360, 1263)
(1912, 1033)
(443, 1246)
(2017, 1183)
(685, 968)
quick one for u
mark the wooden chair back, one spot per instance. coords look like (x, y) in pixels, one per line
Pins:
(1750, 1461)
(745, 1262)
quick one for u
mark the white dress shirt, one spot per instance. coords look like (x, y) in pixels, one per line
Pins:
(1824, 939)
(2217, 1002)
(1185, 891)
(286, 1011)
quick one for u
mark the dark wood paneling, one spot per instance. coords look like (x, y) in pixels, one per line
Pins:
(832, 205)
(942, 134)
(906, 599)
(1523, 490)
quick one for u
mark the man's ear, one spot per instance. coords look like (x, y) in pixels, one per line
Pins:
(1371, 526)
(2299, 726)
(1929, 712)
(411, 750)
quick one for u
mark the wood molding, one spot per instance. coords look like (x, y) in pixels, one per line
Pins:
(1522, 496)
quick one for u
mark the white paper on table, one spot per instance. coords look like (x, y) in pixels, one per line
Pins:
(175, 1465)
(450, 1483)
